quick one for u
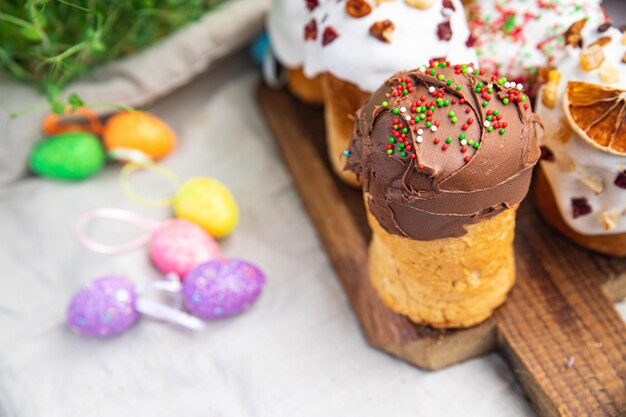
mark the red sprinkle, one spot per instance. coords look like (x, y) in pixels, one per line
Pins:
(445, 146)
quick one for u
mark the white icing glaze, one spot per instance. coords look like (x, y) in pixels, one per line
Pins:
(360, 58)
(285, 27)
(517, 37)
(586, 158)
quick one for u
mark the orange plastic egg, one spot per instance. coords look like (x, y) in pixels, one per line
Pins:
(81, 119)
(141, 131)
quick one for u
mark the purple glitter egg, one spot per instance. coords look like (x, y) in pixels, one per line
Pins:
(104, 307)
(222, 288)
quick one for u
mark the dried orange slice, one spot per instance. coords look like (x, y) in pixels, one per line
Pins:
(597, 114)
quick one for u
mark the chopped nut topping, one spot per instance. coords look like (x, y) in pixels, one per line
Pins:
(564, 132)
(591, 181)
(605, 40)
(609, 219)
(591, 58)
(382, 30)
(572, 34)
(420, 4)
(609, 73)
(358, 8)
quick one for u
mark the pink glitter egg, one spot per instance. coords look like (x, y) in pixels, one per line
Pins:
(104, 307)
(222, 288)
(178, 246)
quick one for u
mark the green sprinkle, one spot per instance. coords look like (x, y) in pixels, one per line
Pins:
(432, 72)
(401, 146)
(423, 109)
(417, 118)
(432, 107)
(405, 130)
(496, 112)
(459, 88)
(476, 145)
(395, 111)
(485, 103)
(454, 120)
(502, 131)
(470, 142)
(441, 77)
(403, 84)
(405, 91)
(523, 98)
(490, 129)
(449, 82)
(505, 100)
(392, 140)
(395, 127)
(384, 104)
(490, 118)
(451, 114)
(448, 139)
(390, 151)
(403, 154)
(462, 136)
(446, 103)
(422, 116)
(428, 124)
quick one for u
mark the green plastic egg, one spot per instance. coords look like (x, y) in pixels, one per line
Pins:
(70, 156)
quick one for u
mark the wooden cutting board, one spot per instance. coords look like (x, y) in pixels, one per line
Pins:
(558, 330)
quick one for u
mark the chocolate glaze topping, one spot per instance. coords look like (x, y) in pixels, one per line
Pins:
(443, 147)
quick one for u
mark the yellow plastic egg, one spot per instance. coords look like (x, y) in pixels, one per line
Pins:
(209, 204)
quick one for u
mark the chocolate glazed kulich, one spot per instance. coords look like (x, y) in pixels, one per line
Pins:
(446, 155)
(437, 193)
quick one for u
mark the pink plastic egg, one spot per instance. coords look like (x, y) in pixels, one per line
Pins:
(178, 246)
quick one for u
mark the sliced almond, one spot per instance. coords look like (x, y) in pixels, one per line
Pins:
(605, 40)
(591, 181)
(609, 219)
(565, 163)
(420, 4)
(609, 73)
(564, 132)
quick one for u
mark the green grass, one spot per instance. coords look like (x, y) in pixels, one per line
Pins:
(51, 42)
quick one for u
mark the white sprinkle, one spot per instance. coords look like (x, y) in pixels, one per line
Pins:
(419, 139)
(423, 69)
(431, 89)
(470, 69)
(463, 142)
(403, 109)
(513, 84)
(487, 123)
(433, 128)
(520, 86)
(407, 117)
(420, 131)
(490, 85)
(507, 85)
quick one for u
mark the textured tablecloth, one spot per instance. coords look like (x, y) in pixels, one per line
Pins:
(297, 352)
